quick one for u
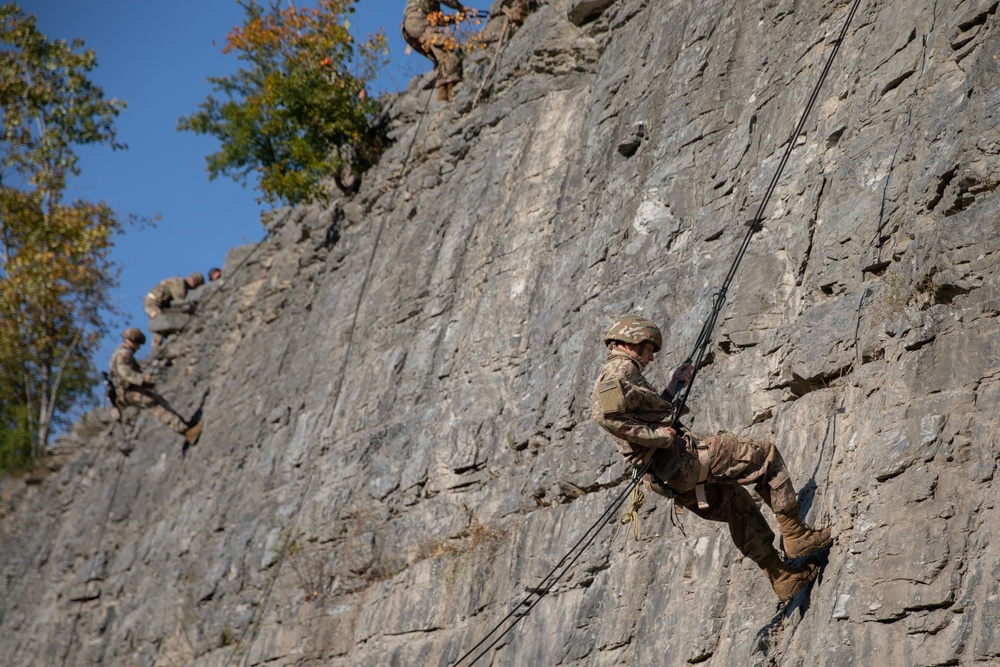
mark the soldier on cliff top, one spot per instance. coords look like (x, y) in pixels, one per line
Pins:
(704, 475)
(166, 292)
(433, 42)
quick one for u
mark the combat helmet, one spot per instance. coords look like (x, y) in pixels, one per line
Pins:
(135, 335)
(197, 279)
(634, 329)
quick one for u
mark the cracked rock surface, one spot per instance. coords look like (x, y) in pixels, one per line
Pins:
(396, 386)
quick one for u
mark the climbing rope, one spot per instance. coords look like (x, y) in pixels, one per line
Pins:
(97, 559)
(15, 647)
(128, 438)
(100, 541)
(251, 630)
(631, 516)
(493, 61)
(696, 358)
(542, 589)
(719, 298)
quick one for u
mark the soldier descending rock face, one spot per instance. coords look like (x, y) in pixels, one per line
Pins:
(134, 388)
(166, 292)
(432, 42)
(705, 475)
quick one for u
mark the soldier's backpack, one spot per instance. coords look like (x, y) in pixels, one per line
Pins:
(169, 321)
(112, 395)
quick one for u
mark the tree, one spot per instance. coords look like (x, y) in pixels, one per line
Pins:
(55, 266)
(298, 113)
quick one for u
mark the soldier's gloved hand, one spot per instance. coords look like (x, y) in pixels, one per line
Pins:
(641, 460)
(681, 378)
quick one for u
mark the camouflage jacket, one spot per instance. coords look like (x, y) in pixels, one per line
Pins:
(124, 370)
(627, 407)
(171, 289)
(419, 9)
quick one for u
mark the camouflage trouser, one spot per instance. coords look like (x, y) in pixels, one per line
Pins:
(430, 42)
(150, 400)
(734, 462)
(734, 506)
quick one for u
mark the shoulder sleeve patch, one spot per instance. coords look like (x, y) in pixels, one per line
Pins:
(611, 397)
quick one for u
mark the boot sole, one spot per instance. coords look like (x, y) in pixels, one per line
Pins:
(803, 584)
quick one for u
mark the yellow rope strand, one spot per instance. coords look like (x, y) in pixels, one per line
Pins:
(631, 515)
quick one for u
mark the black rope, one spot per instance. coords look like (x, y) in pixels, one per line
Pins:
(254, 626)
(100, 542)
(544, 586)
(15, 647)
(157, 356)
(696, 356)
(719, 298)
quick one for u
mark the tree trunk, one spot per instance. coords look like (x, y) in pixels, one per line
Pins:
(44, 409)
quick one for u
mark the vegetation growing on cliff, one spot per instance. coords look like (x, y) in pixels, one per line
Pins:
(298, 112)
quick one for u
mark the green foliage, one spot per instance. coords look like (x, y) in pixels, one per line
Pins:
(227, 637)
(16, 454)
(48, 103)
(297, 113)
(55, 266)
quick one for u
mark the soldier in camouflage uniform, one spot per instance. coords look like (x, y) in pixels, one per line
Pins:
(166, 292)
(432, 42)
(134, 388)
(706, 475)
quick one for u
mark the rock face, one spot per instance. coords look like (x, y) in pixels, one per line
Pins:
(396, 388)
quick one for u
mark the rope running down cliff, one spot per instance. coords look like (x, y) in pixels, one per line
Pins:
(254, 625)
(100, 539)
(697, 356)
(13, 647)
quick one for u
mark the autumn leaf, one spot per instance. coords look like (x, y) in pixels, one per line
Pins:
(294, 115)
(55, 268)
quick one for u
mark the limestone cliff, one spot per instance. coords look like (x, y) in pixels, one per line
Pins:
(398, 445)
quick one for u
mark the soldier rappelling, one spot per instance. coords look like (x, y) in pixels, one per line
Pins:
(133, 388)
(705, 475)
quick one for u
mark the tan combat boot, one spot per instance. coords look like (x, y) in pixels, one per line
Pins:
(788, 581)
(193, 432)
(444, 94)
(800, 540)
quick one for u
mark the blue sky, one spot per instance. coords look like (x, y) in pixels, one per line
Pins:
(157, 56)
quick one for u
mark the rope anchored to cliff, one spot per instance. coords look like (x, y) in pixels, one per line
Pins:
(719, 298)
(249, 635)
(696, 358)
(87, 594)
